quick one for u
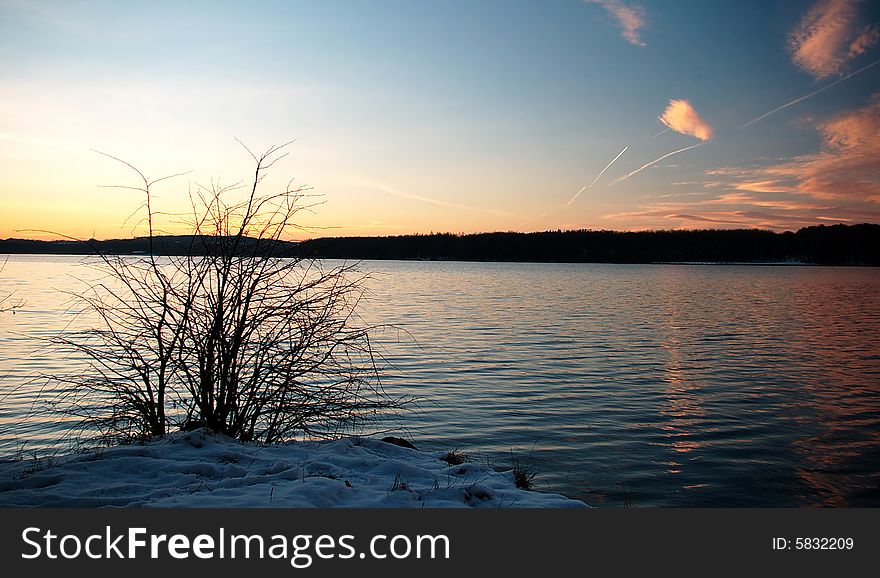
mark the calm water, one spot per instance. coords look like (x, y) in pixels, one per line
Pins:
(646, 385)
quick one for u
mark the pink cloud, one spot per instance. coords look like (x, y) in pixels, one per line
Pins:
(869, 36)
(845, 167)
(630, 18)
(681, 117)
(786, 203)
(829, 35)
(838, 183)
(847, 164)
(766, 186)
(738, 214)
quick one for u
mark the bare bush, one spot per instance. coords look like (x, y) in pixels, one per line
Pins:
(235, 334)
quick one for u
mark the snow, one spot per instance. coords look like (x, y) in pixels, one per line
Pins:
(202, 469)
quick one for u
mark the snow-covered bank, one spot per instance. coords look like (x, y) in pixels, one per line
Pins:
(200, 469)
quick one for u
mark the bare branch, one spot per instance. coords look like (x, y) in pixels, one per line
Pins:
(236, 335)
(132, 167)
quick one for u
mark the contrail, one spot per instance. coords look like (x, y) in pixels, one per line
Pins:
(664, 131)
(585, 187)
(646, 165)
(576, 195)
(814, 93)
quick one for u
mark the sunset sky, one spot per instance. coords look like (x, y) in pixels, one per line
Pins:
(459, 115)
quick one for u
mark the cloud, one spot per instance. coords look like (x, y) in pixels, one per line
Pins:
(681, 117)
(830, 35)
(866, 40)
(845, 166)
(671, 217)
(630, 18)
(839, 183)
(767, 186)
(736, 212)
(786, 203)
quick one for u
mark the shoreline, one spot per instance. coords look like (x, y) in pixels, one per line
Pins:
(201, 469)
(511, 262)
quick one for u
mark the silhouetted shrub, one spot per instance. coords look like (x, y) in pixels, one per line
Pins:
(229, 335)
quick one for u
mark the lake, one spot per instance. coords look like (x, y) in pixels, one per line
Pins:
(642, 385)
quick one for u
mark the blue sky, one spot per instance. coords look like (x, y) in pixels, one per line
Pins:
(416, 116)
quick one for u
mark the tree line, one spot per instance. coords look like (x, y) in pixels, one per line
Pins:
(825, 245)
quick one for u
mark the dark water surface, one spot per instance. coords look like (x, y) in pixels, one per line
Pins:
(650, 385)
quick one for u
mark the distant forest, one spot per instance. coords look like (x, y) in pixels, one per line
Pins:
(825, 245)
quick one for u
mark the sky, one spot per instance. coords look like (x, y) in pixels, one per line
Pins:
(413, 116)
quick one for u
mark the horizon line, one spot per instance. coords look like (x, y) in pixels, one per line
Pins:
(463, 234)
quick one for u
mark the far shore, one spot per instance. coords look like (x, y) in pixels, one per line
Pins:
(847, 245)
